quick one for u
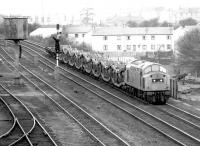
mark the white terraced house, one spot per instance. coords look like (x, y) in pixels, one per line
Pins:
(80, 34)
(131, 41)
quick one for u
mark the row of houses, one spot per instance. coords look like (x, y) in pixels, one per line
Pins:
(115, 40)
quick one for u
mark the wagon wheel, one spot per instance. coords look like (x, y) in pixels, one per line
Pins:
(96, 69)
(78, 62)
(72, 60)
(88, 67)
(66, 59)
(105, 73)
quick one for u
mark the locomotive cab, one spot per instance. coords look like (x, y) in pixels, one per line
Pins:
(155, 78)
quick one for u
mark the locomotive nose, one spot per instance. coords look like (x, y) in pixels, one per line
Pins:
(158, 82)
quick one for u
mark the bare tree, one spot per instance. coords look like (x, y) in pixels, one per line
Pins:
(87, 15)
(187, 22)
(189, 49)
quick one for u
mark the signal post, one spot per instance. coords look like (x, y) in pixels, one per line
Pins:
(57, 50)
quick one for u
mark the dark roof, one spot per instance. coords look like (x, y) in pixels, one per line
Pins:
(132, 31)
(77, 29)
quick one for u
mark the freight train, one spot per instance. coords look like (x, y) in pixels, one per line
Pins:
(146, 80)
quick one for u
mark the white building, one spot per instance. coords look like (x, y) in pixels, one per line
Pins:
(80, 34)
(138, 40)
(45, 31)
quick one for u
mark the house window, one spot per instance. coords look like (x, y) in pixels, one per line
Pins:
(105, 38)
(76, 35)
(66, 35)
(119, 47)
(161, 47)
(138, 46)
(169, 47)
(128, 37)
(118, 37)
(153, 37)
(144, 37)
(128, 47)
(152, 47)
(144, 47)
(134, 47)
(105, 47)
(83, 35)
(168, 37)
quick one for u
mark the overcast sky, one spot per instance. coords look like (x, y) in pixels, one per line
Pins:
(73, 7)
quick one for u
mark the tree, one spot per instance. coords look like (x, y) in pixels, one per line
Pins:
(150, 23)
(2, 32)
(132, 24)
(87, 15)
(165, 24)
(187, 22)
(189, 49)
(32, 27)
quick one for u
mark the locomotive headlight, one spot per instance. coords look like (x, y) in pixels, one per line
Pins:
(161, 80)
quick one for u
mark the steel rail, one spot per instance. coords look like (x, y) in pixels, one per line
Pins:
(14, 119)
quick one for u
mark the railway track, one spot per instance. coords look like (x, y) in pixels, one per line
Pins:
(189, 128)
(24, 119)
(7, 120)
(14, 133)
(26, 130)
(96, 129)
